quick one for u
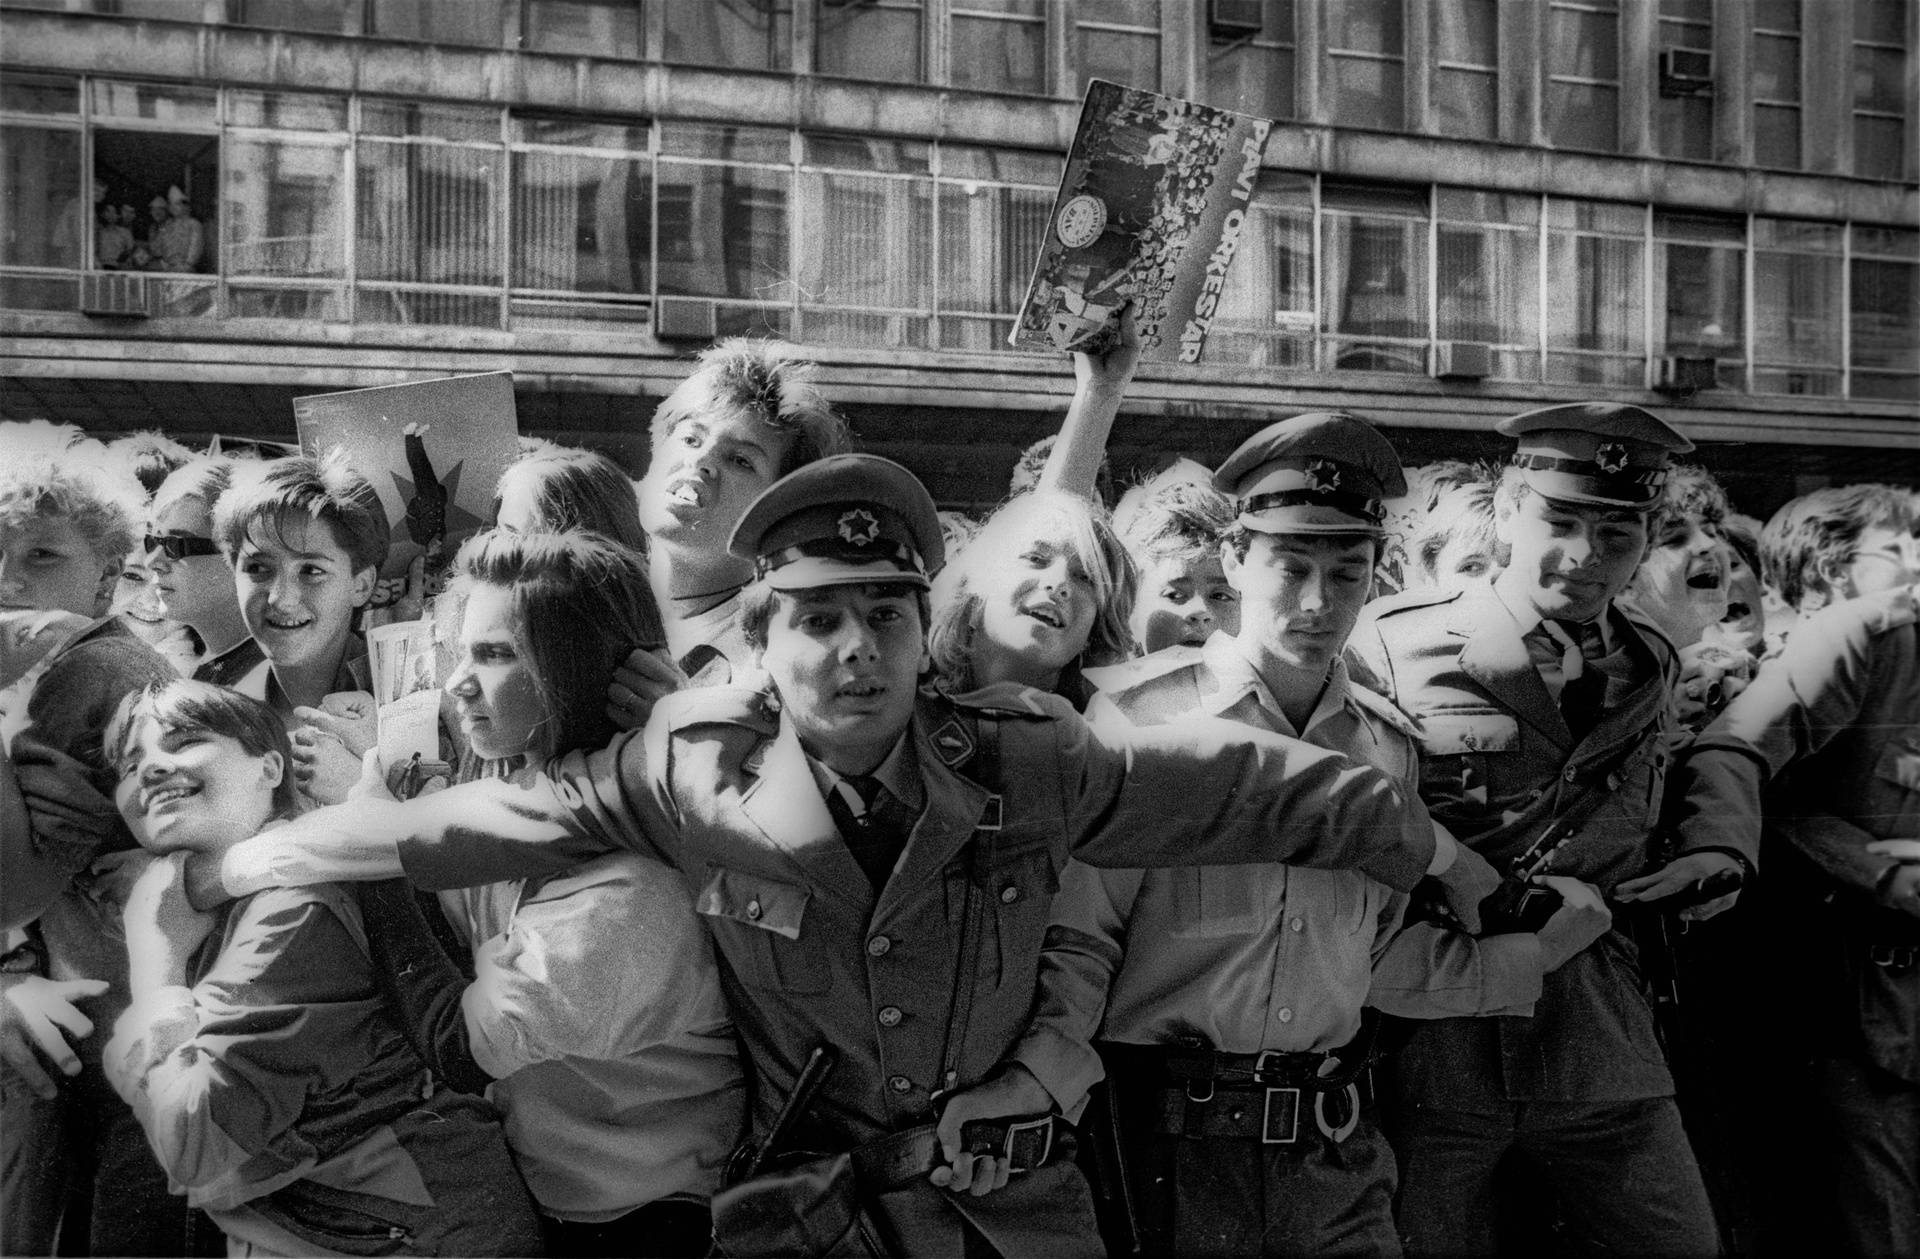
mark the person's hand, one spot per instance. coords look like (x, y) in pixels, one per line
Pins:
(1902, 890)
(640, 682)
(349, 716)
(1111, 371)
(1013, 1093)
(1711, 674)
(1907, 850)
(322, 766)
(163, 927)
(1464, 884)
(1678, 875)
(1582, 918)
(36, 1017)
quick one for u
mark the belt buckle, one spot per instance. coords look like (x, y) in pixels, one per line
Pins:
(1261, 1064)
(1280, 1125)
(1023, 1133)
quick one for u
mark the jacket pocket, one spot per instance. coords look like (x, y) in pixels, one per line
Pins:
(340, 1220)
(1461, 751)
(757, 923)
(1016, 901)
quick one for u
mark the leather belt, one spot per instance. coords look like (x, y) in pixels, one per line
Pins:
(892, 1161)
(1271, 1115)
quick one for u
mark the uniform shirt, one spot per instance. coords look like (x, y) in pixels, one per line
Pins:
(1250, 957)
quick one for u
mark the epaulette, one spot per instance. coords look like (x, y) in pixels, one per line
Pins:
(1408, 599)
(1383, 708)
(722, 706)
(1131, 673)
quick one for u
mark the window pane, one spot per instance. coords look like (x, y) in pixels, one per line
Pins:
(440, 122)
(429, 213)
(1265, 317)
(1375, 271)
(743, 36)
(1466, 31)
(1776, 68)
(723, 232)
(868, 242)
(293, 15)
(868, 42)
(287, 111)
(1777, 15)
(285, 209)
(1585, 45)
(48, 219)
(39, 93)
(1595, 295)
(1132, 60)
(583, 224)
(860, 153)
(732, 144)
(1796, 309)
(474, 22)
(1466, 103)
(580, 133)
(1882, 21)
(1489, 286)
(1885, 353)
(1252, 78)
(1704, 304)
(162, 103)
(1366, 93)
(1120, 12)
(989, 241)
(1879, 147)
(1684, 127)
(1879, 78)
(998, 56)
(591, 28)
(1583, 116)
(1014, 166)
(1776, 136)
(1365, 26)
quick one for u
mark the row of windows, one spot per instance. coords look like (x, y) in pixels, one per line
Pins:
(1345, 62)
(371, 211)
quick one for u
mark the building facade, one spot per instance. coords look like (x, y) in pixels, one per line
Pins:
(1711, 207)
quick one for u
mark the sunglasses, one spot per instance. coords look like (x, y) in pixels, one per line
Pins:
(178, 546)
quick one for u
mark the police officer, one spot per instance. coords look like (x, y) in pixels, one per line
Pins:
(1230, 999)
(875, 863)
(1544, 707)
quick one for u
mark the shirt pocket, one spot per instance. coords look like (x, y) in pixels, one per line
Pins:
(1215, 902)
(1461, 752)
(758, 924)
(1016, 901)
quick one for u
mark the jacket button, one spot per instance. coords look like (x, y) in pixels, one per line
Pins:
(878, 946)
(1009, 894)
(900, 1084)
(889, 1016)
(753, 910)
(1284, 1014)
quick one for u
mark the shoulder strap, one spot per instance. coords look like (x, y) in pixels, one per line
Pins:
(985, 770)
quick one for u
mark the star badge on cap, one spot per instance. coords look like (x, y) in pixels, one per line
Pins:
(859, 527)
(1323, 475)
(1611, 456)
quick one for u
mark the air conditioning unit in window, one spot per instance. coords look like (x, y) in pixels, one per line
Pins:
(1461, 360)
(684, 319)
(116, 294)
(1684, 373)
(1234, 19)
(1686, 72)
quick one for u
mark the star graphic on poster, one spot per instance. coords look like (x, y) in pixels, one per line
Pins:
(455, 519)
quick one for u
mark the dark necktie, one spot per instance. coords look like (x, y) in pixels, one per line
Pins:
(1583, 685)
(870, 824)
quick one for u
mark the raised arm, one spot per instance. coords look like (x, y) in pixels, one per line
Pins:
(1073, 466)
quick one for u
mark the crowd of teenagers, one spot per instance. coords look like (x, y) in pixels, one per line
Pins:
(1307, 856)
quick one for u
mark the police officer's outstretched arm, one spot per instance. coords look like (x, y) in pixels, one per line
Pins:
(1213, 792)
(475, 833)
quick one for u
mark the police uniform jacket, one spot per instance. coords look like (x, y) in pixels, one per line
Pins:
(1499, 763)
(1834, 722)
(719, 787)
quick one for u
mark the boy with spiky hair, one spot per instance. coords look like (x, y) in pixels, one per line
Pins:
(66, 523)
(1453, 546)
(1839, 543)
(750, 413)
